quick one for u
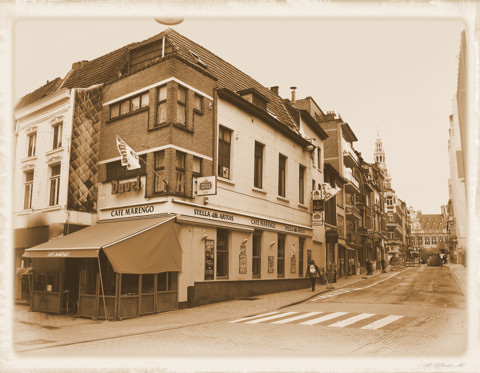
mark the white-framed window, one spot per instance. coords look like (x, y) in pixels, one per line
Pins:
(32, 144)
(57, 135)
(301, 184)
(54, 185)
(258, 165)
(282, 175)
(27, 201)
(224, 152)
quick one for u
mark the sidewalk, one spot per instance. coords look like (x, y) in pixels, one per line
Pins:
(460, 274)
(35, 330)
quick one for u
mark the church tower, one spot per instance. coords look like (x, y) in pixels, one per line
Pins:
(379, 156)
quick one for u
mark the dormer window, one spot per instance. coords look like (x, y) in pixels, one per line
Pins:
(255, 97)
(198, 60)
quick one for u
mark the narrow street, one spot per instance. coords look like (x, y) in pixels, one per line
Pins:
(418, 311)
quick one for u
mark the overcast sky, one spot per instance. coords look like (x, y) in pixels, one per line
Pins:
(397, 76)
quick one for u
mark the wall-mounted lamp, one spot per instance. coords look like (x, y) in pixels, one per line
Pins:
(205, 200)
(272, 244)
(204, 237)
(244, 241)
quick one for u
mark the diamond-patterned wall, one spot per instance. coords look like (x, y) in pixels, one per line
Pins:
(82, 191)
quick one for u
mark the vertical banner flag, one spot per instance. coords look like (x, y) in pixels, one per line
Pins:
(129, 157)
(329, 191)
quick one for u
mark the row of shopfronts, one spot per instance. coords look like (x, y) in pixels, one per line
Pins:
(152, 260)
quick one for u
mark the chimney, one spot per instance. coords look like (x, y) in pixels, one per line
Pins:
(293, 94)
(274, 89)
(79, 65)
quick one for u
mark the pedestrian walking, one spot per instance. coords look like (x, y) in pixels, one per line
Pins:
(382, 262)
(312, 271)
(369, 267)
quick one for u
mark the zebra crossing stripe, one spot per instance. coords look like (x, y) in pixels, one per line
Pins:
(382, 322)
(323, 318)
(270, 318)
(295, 318)
(252, 317)
(352, 320)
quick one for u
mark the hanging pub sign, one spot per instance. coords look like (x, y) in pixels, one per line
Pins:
(206, 185)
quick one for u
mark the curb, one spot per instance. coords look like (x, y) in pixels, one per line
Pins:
(459, 283)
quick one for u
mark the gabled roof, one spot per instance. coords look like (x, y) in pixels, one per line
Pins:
(38, 94)
(114, 66)
(433, 222)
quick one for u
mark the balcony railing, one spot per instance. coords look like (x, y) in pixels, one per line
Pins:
(353, 210)
(348, 152)
(349, 176)
(354, 238)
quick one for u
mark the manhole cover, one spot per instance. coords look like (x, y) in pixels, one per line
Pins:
(35, 342)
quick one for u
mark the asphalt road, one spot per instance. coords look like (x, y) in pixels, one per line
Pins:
(416, 312)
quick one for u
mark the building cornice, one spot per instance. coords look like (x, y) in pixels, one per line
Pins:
(64, 93)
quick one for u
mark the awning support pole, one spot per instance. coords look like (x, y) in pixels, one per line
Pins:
(101, 283)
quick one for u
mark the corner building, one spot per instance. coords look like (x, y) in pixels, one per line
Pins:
(221, 207)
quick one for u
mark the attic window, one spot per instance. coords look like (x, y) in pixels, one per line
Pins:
(255, 97)
(197, 59)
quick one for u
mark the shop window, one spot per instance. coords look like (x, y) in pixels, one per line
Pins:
(54, 185)
(180, 167)
(57, 135)
(159, 172)
(301, 245)
(182, 105)
(427, 240)
(172, 281)
(130, 284)
(281, 256)
(148, 282)
(40, 281)
(116, 171)
(162, 281)
(256, 254)
(53, 281)
(197, 166)
(440, 238)
(434, 240)
(222, 253)
(301, 184)
(161, 105)
(282, 175)
(224, 150)
(108, 275)
(27, 201)
(258, 165)
(88, 284)
(32, 143)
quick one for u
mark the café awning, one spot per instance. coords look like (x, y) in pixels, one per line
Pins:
(133, 246)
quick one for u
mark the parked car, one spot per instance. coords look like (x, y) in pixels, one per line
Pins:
(435, 260)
